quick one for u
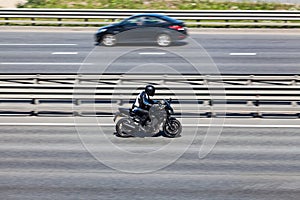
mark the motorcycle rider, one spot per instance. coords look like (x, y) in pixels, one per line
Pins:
(143, 103)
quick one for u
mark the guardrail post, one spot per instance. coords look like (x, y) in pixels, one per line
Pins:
(255, 21)
(77, 102)
(212, 112)
(198, 23)
(206, 80)
(256, 102)
(36, 80)
(163, 80)
(6, 21)
(120, 81)
(208, 103)
(295, 80)
(35, 111)
(285, 22)
(257, 114)
(77, 112)
(250, 103)
(226, 21)
(86, 20)
(77, 79)
(32, 21)
(205, 102)
(295, 104)
(59, 20)
(249, 81)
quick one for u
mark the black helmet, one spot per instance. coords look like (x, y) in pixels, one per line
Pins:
(150, 90)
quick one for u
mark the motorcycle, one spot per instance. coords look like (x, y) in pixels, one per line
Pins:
(129, 124)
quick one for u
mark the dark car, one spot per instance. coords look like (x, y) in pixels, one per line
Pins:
(143, 28)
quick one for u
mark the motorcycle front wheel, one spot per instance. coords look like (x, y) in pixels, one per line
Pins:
(172, 128)
(123, 128)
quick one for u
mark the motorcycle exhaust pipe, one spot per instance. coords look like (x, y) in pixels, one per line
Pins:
(129, 126)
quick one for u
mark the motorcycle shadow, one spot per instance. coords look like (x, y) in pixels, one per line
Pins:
(159, 134)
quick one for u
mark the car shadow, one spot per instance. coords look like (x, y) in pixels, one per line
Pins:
(142, 44)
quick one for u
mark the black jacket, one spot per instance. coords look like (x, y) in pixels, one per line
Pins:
(143, 101)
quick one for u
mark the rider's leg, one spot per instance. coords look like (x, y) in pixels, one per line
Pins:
(143, 114)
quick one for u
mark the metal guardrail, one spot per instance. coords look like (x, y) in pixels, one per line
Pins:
(191, 17)
(101, 95)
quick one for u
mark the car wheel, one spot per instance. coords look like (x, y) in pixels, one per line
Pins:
(109, 40)
(163, 40)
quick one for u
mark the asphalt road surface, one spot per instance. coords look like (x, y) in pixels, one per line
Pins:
(46, 162)
(233, 52)
(67, 162)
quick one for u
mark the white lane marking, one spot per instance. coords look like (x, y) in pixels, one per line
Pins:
(38, 44)
(37, 63)
(64, 53)
(184, 125)
(243, 54)
(152, 53)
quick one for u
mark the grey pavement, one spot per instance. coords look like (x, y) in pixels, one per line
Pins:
(234, 52)
(187, 122)
(43, 162)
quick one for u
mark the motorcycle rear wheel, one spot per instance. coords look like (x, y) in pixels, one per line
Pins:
(121, 129)
(173, 128)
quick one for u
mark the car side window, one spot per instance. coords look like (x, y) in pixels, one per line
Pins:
(153, 21)
(136, 21)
